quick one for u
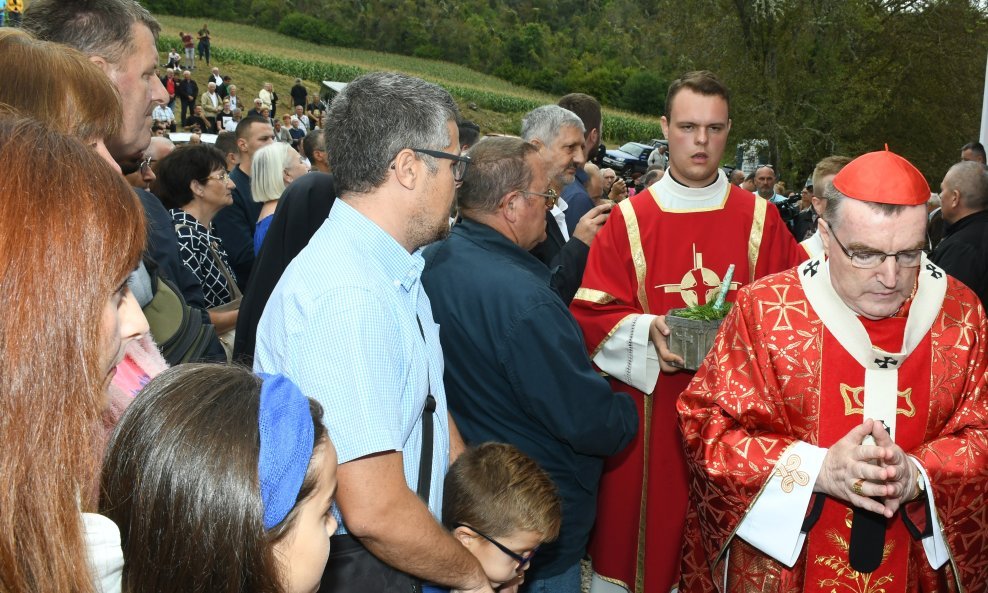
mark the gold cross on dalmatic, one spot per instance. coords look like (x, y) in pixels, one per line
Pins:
(694, 281)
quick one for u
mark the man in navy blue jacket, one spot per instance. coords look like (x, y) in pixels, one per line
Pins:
(235, 223)
(516, 369)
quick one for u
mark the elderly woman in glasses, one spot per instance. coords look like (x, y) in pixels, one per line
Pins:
(193, 183)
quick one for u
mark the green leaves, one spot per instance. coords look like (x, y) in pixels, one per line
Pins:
(705, 312)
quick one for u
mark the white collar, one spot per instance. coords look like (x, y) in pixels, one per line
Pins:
(560, 206)
(674, 196)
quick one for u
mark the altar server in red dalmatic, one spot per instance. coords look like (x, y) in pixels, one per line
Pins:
(837, 436)
(665, 248)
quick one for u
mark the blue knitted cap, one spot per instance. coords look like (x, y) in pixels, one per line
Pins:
(287, 435)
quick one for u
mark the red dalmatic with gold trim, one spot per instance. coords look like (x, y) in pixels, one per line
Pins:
(650, 259)
(778, 377)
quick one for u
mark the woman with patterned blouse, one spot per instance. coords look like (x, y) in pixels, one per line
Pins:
(193, 184)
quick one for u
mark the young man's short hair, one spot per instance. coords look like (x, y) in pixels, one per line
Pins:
(226, 142)
(830, 165)
(587, 108)
(497, 489)
(702, 82)
(243, 128)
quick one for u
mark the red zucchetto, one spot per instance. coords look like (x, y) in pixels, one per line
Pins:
(884, 177)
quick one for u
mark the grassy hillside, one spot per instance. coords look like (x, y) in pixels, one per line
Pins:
(252, 55)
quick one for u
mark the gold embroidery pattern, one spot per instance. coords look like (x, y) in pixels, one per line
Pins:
(637, 255)
(693, 282)
(755, 239)
(784, 307)
(854, 404)
(791, 475)
(846, 577)
(598, 297)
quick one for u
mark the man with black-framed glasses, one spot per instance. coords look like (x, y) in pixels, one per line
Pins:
(840, 414)
(515, 367)
(350, 323)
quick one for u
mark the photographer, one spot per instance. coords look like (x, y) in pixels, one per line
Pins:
(804, 224)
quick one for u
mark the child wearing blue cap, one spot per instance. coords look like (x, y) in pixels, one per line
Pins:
(221, 480)
(501, 506)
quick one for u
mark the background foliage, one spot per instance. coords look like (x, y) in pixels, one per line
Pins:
(813, 77)
(496, 105)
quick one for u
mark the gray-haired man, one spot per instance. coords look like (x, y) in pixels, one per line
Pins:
(558, 134)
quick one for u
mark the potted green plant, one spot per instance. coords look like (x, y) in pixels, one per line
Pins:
(692, 329)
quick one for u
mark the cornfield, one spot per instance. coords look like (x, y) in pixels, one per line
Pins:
(291, 57)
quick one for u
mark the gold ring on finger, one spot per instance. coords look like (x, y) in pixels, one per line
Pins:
(856, 487)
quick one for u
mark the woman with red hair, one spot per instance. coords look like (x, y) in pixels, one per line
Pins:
(73, 232)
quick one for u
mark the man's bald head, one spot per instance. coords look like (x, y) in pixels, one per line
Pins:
(595, 181)
(964, 190)
(160, 147)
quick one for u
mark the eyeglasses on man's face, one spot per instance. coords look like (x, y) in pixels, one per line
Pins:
(550, 197)
(868, 259)
(521, 560)
(130, 167)
(459, 167)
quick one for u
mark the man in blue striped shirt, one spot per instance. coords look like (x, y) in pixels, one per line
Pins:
(350, 323)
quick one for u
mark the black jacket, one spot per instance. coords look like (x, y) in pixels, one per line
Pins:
(162, 249)
(963, 252)
(566, 259)
(186, 89)
(235, 226)
(804, 225)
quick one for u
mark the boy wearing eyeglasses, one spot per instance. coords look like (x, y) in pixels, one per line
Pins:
(501, 506)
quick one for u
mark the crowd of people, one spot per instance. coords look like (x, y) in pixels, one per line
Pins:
(218, 106)
(389, 352)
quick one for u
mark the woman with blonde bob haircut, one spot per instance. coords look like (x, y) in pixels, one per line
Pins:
(274, 168)
(59, 86)
(73, 232)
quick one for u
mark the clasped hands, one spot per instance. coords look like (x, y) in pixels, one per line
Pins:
(877, 477)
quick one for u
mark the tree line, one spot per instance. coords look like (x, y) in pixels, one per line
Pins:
(812, 77)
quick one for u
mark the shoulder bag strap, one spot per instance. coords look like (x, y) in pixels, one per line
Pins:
(234, 289)
(425, 463)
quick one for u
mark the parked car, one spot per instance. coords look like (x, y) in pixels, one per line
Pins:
(631, 157)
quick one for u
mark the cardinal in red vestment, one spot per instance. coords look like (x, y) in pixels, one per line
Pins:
(837, 436)
(667, 247)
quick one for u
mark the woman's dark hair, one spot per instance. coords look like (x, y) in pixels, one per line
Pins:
(180, 479)
(177, 171)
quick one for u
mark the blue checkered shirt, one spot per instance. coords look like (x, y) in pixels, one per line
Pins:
(341, 323)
